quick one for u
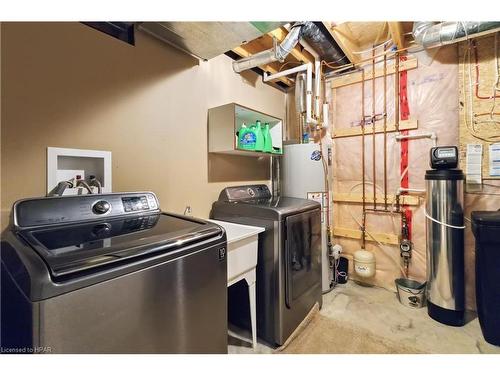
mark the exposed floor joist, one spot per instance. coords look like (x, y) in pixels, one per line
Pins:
(344, 40)
(397, 34)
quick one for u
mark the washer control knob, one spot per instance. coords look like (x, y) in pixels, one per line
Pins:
(101, 207)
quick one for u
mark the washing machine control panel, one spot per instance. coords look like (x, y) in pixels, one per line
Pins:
(137, 203)
(101, 207)
(77, 208)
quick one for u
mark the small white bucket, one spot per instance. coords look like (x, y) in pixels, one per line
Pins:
(411, 293)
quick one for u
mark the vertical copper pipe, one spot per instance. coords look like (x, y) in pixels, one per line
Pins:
(373, 133)
(385, 129)
(363, 155)
(396, 91)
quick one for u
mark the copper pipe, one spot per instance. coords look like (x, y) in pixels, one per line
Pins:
(373, 134)
(382, 211)
(396, 93)
(385, 130)
(363, 156)
(486, 114)
(345, 66)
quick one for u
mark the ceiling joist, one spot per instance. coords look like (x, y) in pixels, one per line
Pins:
(397, 34)
(342, 36)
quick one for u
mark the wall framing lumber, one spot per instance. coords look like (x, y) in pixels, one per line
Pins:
(397, 34)
(387, 238)
(410, 200)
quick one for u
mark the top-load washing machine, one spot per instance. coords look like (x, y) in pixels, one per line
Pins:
(289, 255)
(111, 273)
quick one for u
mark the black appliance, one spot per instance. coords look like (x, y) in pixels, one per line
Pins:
(486, 229)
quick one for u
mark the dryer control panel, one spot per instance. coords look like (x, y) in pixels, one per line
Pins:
(237, 193)
(68, 209)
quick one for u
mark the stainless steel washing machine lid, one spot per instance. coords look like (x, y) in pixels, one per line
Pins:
(72, 249)
(256, 200)
(58, 245)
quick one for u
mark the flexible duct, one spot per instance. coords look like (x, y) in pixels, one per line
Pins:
(326, 47)
(432, 34)
(290, 41)
(274, 54)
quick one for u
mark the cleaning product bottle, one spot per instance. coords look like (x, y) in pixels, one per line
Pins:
(268, 141)
(247, 138)
(259, 137)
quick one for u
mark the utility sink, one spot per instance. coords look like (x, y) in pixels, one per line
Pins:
(242, 241)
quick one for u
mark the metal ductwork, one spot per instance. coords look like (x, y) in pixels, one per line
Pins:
(434, 34)
(300, 92)
(277, 53)
(315, 34)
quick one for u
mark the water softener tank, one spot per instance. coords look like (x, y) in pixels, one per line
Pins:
(445, 241)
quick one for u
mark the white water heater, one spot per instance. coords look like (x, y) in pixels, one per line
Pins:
(303, 177)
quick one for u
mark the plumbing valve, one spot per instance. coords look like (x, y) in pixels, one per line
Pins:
(405, 248)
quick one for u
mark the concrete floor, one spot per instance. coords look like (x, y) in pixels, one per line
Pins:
(377, 313)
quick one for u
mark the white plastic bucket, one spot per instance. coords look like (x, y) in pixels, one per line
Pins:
(411, 293)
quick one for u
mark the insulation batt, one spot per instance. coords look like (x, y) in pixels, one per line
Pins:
(433, 95)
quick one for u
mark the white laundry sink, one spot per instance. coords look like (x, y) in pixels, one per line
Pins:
(242, 245)
(242, 242)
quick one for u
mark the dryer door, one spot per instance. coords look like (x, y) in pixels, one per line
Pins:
(302, 254)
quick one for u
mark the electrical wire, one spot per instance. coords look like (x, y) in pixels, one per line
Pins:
(468, 113)
(476, 65)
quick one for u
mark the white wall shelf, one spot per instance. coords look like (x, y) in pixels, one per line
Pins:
(225, 122)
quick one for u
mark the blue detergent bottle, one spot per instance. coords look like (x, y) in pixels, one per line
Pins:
(247, 138)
